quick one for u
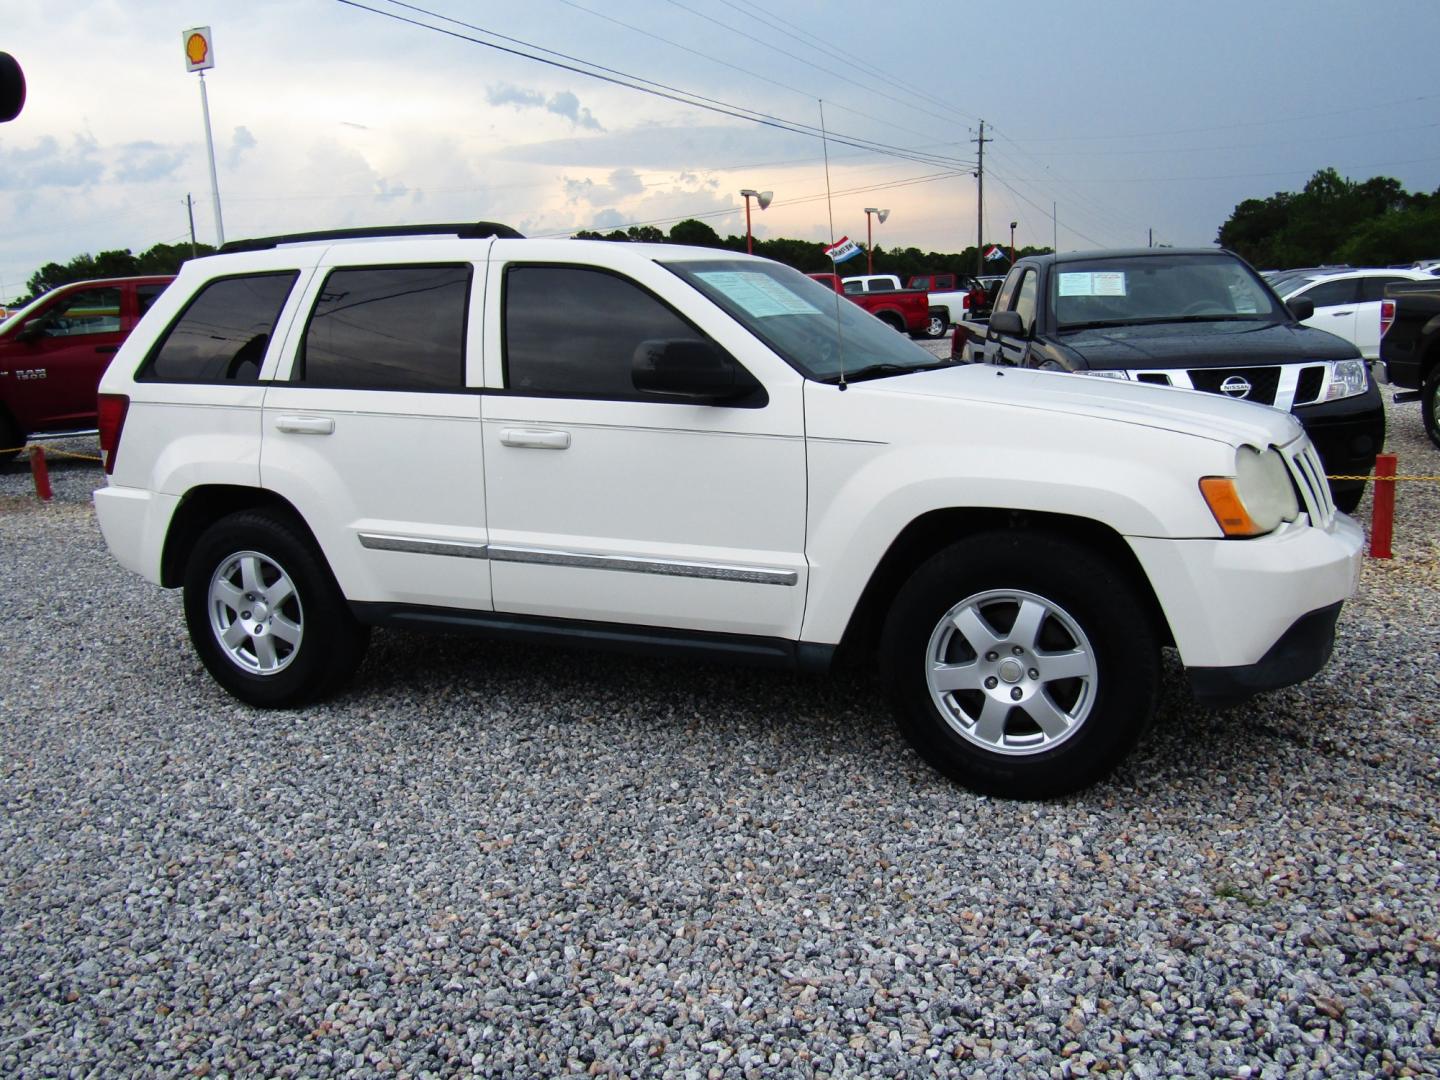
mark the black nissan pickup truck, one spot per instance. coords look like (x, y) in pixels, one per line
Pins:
(1194, 319)
(1410, 348)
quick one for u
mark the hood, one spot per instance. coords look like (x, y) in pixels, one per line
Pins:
(1190, 412)
(1202, 344)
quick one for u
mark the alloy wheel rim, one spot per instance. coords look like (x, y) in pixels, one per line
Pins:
(1011, 672)
(255, 613)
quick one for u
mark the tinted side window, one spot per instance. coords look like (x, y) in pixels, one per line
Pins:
(390, 328)
(1025, 300)
(145, 296)
(1330, 293)
(94, 311)
(1007, 290)
(223, 333)
(575, 331)
(1373, 288)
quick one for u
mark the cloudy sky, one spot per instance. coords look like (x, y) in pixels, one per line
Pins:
(1127, 115)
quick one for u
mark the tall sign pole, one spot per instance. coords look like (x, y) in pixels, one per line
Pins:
(200, 58)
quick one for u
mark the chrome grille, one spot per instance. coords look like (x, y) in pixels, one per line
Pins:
(1309, 476)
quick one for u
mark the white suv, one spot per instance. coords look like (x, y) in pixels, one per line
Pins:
(671, 448)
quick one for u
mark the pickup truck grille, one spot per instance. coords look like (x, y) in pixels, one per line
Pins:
(1310, 483)
(1283, 386)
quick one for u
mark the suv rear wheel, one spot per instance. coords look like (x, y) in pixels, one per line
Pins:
(265, 614)
(1021, 664)
(1430, 404)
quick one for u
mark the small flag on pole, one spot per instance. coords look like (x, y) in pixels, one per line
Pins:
(842, 249)
(994, 253)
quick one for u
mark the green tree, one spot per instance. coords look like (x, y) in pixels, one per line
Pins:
(160, 259)
(695, 233)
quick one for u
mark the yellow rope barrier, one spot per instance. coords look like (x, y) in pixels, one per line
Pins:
(51, 450)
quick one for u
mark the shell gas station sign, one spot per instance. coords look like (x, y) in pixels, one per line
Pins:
(199, 49)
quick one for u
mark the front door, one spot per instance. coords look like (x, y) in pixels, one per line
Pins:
(55, 375)
(609, 504)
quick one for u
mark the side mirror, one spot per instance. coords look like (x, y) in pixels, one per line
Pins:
(33, 330)
(689, 368)
(1302, 307)
(1007, 322)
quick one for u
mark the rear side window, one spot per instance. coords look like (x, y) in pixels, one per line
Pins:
(223, 333)
(574, 331)
(1373, 288)
(388, 328)
(1330, 293)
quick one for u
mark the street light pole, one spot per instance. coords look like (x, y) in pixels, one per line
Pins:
(1012, 242)
(761, 197)
(869, 236)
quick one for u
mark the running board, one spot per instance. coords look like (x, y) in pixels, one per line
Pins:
(1404, 397)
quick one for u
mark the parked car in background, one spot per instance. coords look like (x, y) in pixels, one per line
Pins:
(906, 311)
(1410, 347)
(708, 455)
(54, 350)
(1347, 302)
(950, 299)
(1199, 320)
(939, 305)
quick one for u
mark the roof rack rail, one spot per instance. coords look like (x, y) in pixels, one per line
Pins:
(467, 230)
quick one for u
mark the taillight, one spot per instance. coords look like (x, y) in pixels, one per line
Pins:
(1387, 316)
(112, 418)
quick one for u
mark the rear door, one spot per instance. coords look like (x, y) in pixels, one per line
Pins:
(612, 505)
(1336, 303)
(373, 432)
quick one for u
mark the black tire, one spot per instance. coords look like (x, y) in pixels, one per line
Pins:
(1063, 587)
(327, 644)
(1430, 404)
(12, 439)
(890, 319)
(937, 324)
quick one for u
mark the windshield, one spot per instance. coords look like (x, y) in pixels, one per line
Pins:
(811, 327)
(1158, 288)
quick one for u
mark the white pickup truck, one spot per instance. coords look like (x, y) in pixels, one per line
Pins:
(947, 306)
(672, 449)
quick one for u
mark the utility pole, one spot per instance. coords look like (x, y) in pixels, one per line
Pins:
(1151, 241)
(980, 203)
(190, 209)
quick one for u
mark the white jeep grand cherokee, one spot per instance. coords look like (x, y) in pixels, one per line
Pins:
(671, 448)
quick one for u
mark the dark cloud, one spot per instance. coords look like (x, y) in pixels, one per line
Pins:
(48, 164)
(240, 142)
(563, 103)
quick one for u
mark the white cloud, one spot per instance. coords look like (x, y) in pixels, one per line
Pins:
(562, 103)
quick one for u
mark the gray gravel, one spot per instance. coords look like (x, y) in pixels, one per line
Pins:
(528, 862)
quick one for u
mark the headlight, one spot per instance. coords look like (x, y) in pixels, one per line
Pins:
(1256, 499)
(1347, 378)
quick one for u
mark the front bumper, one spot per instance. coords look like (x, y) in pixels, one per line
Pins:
(1230, 603)
(1301, 652)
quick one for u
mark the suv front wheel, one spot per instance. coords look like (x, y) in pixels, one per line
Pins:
(1021, 664)
(265, 614)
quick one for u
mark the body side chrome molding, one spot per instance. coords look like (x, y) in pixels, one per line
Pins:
(754, 575)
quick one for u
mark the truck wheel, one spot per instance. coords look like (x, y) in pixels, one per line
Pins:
(890, 319)
(12, 439)
(937, 324)
(1021, 664)
(1430, 404)
(265, 614)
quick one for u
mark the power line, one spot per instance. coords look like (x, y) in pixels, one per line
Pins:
(1048, 213)
(633, 82)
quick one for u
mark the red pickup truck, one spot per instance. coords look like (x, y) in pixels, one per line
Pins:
(54, 350)
(908, 312)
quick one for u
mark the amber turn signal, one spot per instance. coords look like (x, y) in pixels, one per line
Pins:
(1224, 502)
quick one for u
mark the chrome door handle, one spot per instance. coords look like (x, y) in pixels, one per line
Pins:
(306, 425)
(1339, 314)
(535, 438)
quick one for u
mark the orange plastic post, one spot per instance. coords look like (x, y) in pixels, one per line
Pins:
(39, 471)
(1382, 517)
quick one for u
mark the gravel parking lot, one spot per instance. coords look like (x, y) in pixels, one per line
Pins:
(533, 862)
